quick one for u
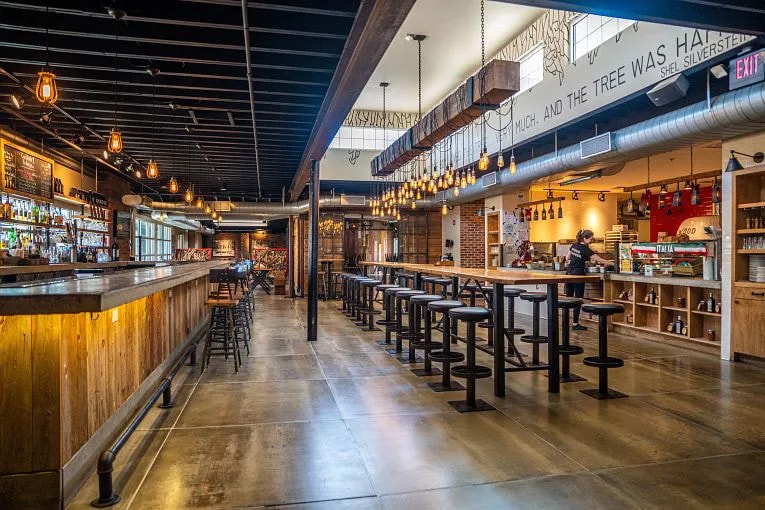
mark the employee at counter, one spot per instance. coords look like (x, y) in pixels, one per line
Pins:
(579, 254)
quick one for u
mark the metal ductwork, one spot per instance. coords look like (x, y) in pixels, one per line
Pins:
(731, 114)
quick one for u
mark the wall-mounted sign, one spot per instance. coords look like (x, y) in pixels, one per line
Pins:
(25, 172)
(122, 221)
(223, 248)
(745, 70)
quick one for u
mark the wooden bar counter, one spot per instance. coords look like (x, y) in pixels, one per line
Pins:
(77, 359)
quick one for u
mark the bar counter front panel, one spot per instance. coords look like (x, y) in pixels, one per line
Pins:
(64, 375)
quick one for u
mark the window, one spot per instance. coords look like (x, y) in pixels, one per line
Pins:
(532, 67)
(365, 138)
(590, 31)
(153, 241)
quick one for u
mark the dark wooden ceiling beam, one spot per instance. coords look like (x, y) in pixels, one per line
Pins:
(376, 24)
(705, 15)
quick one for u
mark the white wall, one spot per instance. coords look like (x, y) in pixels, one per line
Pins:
(346, 165)
(450, 229)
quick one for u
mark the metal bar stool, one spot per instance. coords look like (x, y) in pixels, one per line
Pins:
(515, 356)
(470, 371)
(426, 344)
(446, 356)
(535, 339)
(602, 361)
(368, 311)
(402, 298)
(388, 321)
(565, 350)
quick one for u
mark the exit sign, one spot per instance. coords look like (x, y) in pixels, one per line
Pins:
(746, 70)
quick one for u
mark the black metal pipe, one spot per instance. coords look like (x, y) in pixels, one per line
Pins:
(313, 251)
(106, 494)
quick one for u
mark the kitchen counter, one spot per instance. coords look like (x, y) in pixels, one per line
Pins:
(97, 293)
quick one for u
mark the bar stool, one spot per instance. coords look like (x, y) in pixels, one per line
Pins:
(566, 349)
(368, 304)
(511, 331)
(470, 371)
(534, 338)
(436, 281)
(391, 317)
(412, 332)
(222, 332)
(405, 279)
(387, 321)
(602, 361)
(344, 279)
(446, 356)
(348, 293)
(360, 300)
(420, 304)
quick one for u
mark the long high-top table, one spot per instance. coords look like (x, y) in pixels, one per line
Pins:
(499, 279)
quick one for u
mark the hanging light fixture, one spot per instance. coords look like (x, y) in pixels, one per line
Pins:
(207, 209)
(444, 209)
(200, 203)
(551, 212)
(544, 213)
(560, 209)
(646, 198)
(662, 196)
(602, 196)
(172, 185)
(152, 169)
(716, 192)
(631, 204)
(114, 144)
(536, 213)
(677, 198)
(46, 90)
(188, 197)
(483, 162)
(513, 168)
(575, 195)
(694, 186)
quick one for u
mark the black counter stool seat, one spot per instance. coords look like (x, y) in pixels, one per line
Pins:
(535, 338)
(368, 303)
(404, 279)
(352, 290)
(380, 289)
(391, 314)
(425, 344)
(446, 356)
(470, 371)
(603, 362)
(566, 350)
(402, 332)
(360, 298)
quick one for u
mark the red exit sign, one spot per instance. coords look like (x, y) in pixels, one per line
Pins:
(746, 70)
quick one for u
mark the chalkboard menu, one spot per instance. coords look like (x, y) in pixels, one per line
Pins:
(26, 173)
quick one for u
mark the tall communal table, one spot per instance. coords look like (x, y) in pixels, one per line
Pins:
(499, 279)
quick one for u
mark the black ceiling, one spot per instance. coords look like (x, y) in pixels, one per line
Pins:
(198, 46)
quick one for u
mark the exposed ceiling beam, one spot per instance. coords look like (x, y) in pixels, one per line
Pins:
(375, 26)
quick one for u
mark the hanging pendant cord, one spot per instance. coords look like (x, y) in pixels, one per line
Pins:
(152, 118)
(116, 66)
(483, 64)
(419, 80)
(47, 46)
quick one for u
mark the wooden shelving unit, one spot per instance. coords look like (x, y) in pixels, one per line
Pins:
(493, 240)
(748, 306)
(656, 318)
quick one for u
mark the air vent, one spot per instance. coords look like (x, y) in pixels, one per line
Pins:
(489, 179)
(596, 145)
(353, 200)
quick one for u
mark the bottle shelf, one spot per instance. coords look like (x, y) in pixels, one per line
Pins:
(702, 312)
(744, 231)
(751, 205)
(675, 309)
(756, 251)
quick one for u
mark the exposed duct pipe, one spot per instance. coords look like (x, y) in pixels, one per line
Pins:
(248, 58)
(732, 114)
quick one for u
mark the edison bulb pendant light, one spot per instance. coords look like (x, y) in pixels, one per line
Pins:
(200, 203)
(463, 182)
(450, 180)
(172, 186)
(441, 183)
(115, 141)
(456, 191)
(188, 196)
(152, 170)
(419, 195)
(46, 89)
(444, 210)
(500, 161)
(483, 162)
(207, 209)
(513, 168)
(414, 205)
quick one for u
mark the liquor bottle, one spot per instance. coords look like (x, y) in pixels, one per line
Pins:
(115, 251)
(711, 304)
(679, 325)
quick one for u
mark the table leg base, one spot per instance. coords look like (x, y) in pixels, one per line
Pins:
(594, 393)
(439, 387)
(572, 378)
(463, 407)
(422, 372)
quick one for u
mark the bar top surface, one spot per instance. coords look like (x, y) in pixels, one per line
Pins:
(491, 275)
(55, 268)
(99, 293)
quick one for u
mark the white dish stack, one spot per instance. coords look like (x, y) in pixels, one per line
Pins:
(757, 268)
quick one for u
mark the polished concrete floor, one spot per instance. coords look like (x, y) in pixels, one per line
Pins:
(339, 424)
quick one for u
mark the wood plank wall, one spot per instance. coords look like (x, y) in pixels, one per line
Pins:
(63, 376)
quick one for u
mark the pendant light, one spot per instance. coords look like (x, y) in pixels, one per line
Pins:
(522, 216)
(483, 162)
(188, 196)
(631, 204)
(544, 213)
(512, 167)
(716, 192)
(444, 209)
(662, 195)
(46, 89)
(200, 203)
(695, 189)
(560, 209)
(551, 212)
(152, 169)
(536, 213)
(646, 199)
(114, 144)
(677, 197)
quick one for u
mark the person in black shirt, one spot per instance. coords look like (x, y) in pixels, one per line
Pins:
(578, 255)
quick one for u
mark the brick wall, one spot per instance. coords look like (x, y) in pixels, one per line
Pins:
(472, 235)
(113, 187)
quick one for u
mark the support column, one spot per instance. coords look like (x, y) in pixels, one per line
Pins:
(290, 277)
(313, 251)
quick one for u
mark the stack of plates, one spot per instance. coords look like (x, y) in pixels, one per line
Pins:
(757, 268)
